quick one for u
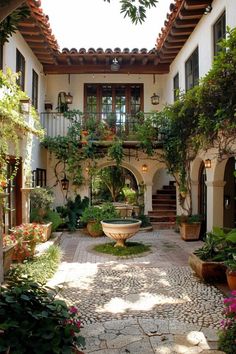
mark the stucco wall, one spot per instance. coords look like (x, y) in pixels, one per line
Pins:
(202, 37)
(31, 62)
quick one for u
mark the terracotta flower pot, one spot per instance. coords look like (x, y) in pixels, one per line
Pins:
(190, 232)
(94, 229)
(231, 279)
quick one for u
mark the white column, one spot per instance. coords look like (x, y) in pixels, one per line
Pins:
(148, 198)
(215, 205)
(26, 204)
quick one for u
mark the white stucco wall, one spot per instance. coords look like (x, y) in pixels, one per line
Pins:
(57, 83)
(31, 62)
(202, 37)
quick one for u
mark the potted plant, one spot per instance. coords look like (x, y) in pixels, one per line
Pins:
(34, 321)
(41, 200)
(26, 236)
(231, 272)
(189, 226)
(209, 261)
(93, 215)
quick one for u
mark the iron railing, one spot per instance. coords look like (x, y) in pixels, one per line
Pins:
(120, 124)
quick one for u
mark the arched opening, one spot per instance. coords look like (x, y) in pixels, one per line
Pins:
(230, 194)
(114, 184)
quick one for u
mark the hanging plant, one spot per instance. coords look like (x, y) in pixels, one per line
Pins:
(116, 152)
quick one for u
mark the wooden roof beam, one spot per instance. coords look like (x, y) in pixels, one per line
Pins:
(124, 69)
(174, 39)
(196, 4)
(173, 45)
(180, 31)
(188, 15)
(185, 23)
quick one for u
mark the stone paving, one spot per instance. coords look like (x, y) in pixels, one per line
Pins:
(147, 304)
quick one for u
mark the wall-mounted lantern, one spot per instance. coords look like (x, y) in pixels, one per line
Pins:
(144, 168)
(155, 99)
(207, 163)
(65, 183)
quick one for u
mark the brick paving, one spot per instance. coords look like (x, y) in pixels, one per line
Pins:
(147, 304)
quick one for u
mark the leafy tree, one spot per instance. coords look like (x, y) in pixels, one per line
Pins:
(111, 178)
(136, 10)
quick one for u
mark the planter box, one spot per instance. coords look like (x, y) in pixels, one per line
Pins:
(47, 230)
(231, 279)
(190, 232)
(208, 271)
(7, 258)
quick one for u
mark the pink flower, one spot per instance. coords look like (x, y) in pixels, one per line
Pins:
(73, 309)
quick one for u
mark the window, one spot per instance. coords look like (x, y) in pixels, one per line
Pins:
(1, 56)
(20, 67)
(39, 177)
(192, 71)
(219, 31)
(35, 80)
(176, 87)
(114, 103)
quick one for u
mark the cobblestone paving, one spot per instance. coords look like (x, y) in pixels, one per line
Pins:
(148, 304)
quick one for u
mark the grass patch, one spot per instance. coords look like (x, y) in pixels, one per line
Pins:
(131, 248)
(42, 268)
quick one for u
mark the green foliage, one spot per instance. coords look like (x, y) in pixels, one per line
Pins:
(33, 321)
(41, 268)
(115, 152)
(219, 246)
(99, 213)
(130, 195)
(12, 121)
(109, 182)
(144, 219)
(136, 12)
(132, 248)
(72, 211)
(9, 25)
(41, 198)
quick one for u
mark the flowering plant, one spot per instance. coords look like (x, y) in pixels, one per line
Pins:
(28, 232)
(9, 240)
(227, 335)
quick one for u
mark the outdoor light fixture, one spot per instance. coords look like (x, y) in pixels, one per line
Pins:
(65, 183)
(207, 163)
(207, 9)
(68, 98)
(155, 99)
(144, 168)
(115, 66)
(25, 105)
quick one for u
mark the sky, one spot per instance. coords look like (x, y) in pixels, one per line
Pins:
(95, 23)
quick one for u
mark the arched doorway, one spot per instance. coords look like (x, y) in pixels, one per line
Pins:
(230, 194)
(202, 195)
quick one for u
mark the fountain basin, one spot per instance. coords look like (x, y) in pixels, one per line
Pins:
(120, 229)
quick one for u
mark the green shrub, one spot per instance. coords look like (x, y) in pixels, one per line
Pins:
(33, 321)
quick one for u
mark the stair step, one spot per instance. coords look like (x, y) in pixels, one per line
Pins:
(166, 191)
(160, 212)
(155, 218)
(163, 206)
(163, 225)
(170, 187)
(163, 196)
(164, 201)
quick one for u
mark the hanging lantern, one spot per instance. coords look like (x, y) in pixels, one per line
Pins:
(155, 99)
(65, 183)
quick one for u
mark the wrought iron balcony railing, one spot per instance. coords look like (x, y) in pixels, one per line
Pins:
(100, 124)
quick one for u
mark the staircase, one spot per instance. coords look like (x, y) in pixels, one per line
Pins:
(163, 212)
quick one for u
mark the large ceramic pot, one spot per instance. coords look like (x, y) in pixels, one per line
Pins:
(120, 229)
(94, 229)
(190, 232)
(231, 279)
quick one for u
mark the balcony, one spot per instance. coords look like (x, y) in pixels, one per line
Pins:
(103, 126)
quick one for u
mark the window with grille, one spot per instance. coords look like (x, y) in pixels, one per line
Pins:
(192, 70)
(35, 82)
(20, 67)
(219, 31)
(176, 87)
(39, 177)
